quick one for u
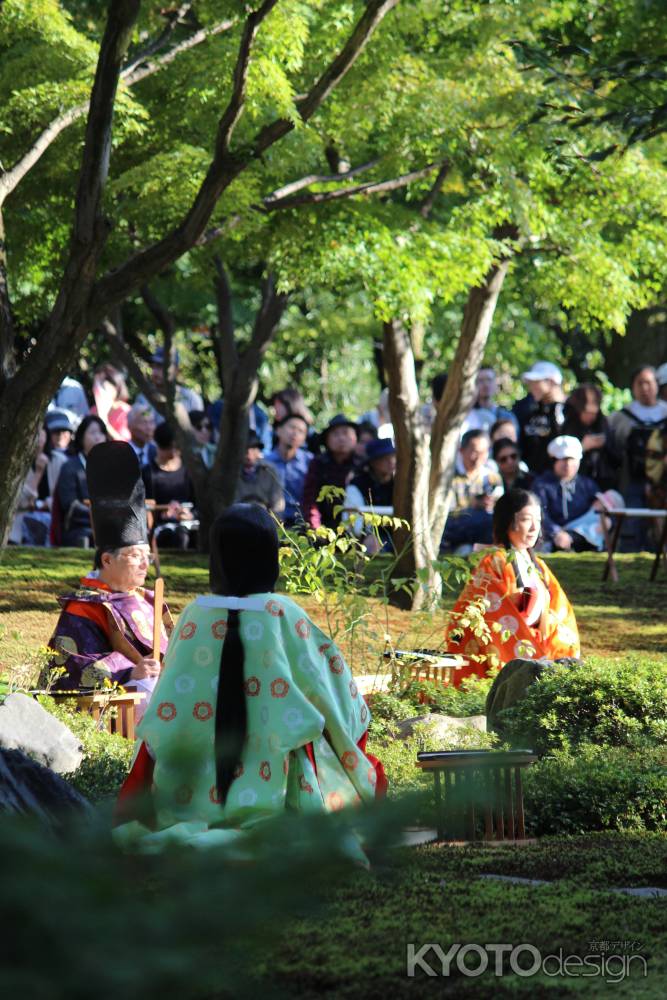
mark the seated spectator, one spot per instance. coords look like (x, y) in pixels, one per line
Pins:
(485, 412)
(565, 496)
(661, 379)
(168, 484)
(585, 421)
(504, 429)
(141, 425)
(373, 487)
(258, 422)
(32, 520)
(111, 400)
(259, 482)
(336, 466)
(58, 448)
(656, 469)
(189, 398)
(290, 461)
(72, 489)
(366, 432)
(507, 457)
(289, 402)
(202, 429)
(540, 414)
(473, 496)
(630, 430)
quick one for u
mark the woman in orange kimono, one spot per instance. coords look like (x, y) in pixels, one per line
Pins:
(513, 606)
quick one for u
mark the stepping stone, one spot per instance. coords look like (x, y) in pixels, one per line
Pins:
(518, 880)
(645, 891)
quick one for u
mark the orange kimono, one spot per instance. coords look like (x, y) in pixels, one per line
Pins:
(490, 619)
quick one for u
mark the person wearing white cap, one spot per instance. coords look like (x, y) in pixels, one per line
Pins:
(565, 495)
(540, 414)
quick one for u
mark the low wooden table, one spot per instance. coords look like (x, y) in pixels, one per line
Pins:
(487, 779)
(427, 665)
(611, 537)
(115, 712)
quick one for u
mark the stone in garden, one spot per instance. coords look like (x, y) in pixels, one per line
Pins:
(28, 788)
(510, 686)
(444, 728)
(26, 726)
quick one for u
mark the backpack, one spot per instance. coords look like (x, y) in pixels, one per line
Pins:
(637, 442)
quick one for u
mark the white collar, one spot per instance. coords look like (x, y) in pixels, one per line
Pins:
(233, 603)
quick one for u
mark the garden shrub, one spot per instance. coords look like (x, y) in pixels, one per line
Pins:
(106, 757)
(597, 788)
(616, 704)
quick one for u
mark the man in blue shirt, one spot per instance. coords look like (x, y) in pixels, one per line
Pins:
(290, 461)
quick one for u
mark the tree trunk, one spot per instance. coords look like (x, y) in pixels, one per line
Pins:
(459, 395)
(412, 469)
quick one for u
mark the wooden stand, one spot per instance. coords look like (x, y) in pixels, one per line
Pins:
(611, 536)
(113, 712)
(484, 780)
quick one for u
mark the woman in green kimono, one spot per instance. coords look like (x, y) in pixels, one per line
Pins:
(255, 711)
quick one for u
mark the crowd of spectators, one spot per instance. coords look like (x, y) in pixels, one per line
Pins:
(577, 461)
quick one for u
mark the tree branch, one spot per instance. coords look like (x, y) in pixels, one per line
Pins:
(427, 204)
(131, 74)
(302, 182)
(167, 324)
(117, 285)
(267, 319)
(174, 18)
(234, 108)
(7, 360)
(373, 187)
(225, 344)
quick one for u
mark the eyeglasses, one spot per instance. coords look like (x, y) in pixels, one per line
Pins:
(134, 558)
(509, 457)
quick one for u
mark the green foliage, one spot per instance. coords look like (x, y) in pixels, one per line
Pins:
(106, 757)
(612, 704)
(603, 787)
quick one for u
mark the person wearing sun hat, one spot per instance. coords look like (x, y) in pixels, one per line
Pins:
(540, 414)
(105, 629)
(373, 487)
(335, 466)
(564, 494)
(256, 711)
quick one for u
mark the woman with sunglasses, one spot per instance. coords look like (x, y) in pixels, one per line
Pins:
(507, 456)
(513, 606)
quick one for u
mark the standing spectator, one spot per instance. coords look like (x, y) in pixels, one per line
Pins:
(373, 487)
(485, 412)
(379, 417)
(565, 496)
(72, 490)
(335, 467)
(366, 432)
(141, 425)
(504, 429)
(71, 397)
(190, 399)
(202, 429)
(167, 483)
(111, 400)
(661, 378)
(290, 403)
(259, 482)
(540, 414)
(473, 496)
(290, 461)
(585, 421)
(507, 457)
(631, 428)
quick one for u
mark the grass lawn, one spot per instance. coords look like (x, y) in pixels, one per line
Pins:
(357, 947)
(615, 619)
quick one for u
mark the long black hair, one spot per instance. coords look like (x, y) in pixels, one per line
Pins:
(506, 508)
(243, 561)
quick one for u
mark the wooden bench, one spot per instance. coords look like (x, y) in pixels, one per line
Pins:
(487, 780)
(611, 537)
